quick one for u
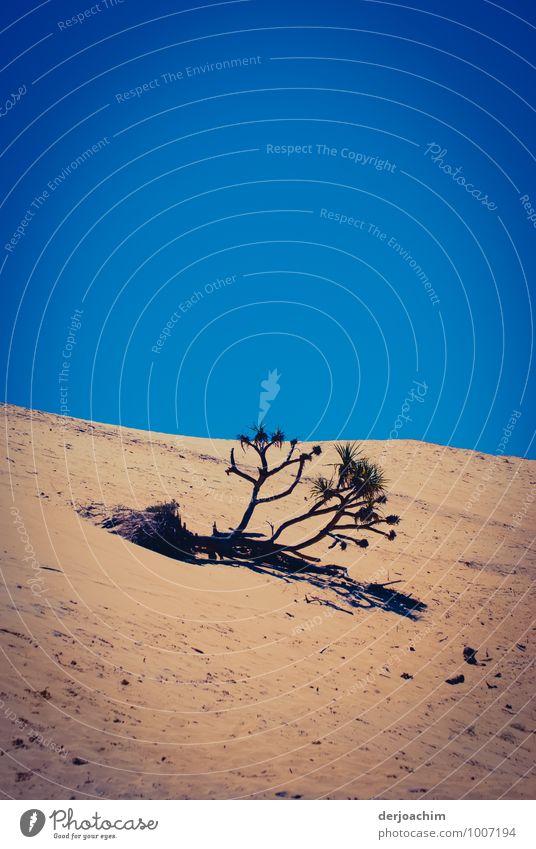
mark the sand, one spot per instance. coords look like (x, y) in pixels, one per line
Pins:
(126, 674)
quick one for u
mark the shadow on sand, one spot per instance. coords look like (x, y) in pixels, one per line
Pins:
(329, 578)
(160, 529)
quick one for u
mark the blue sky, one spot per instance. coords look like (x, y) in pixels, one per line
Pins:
(340, 196)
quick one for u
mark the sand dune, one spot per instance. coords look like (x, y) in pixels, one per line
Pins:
(126, 674)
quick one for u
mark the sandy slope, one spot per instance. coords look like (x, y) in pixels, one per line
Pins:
(126, 674)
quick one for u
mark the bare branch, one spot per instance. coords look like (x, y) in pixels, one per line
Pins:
(369, 526)
(301, 463)
(233, 469)
(342, 539)
(293, 444)
(315, 451)
(313, 512)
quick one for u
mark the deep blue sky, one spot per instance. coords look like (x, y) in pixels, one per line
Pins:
(189, 184)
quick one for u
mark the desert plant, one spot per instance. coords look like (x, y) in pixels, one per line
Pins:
(341, 507)
(350, 500)
(260, 443)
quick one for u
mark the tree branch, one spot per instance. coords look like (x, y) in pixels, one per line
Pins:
(233, 469)
(313, 512)
(341, 538)
(302, 460)
(317, 510)
(316, 450)
(369, 526)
